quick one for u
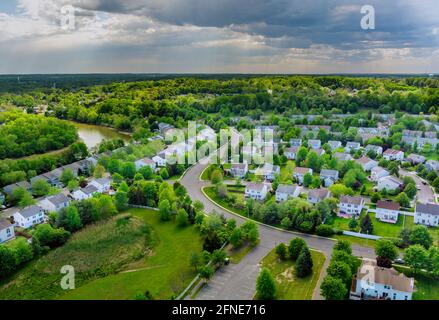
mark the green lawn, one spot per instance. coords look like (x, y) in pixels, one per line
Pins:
(289, 287)
(113, 261)
(236, 255)
(165, 272)
(286, 172)
(210, 192)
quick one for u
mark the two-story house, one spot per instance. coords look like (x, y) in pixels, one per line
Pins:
(390, 183)
(314, 144)
(387, 211)
(351, 206)
(334, 145)
(300, 172)
(378, 150)
(393, 155)
(239, 170)
(352, 146)
(427, 214)
(378, 173)
(317, 195)
(285, 192)
(55, 203)
(257, 191)
(29, 216)
(7, 231)
(367, 163)
(329, 177)
(291, 153)
(144, 163)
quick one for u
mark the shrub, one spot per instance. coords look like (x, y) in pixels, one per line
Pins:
(324, 230)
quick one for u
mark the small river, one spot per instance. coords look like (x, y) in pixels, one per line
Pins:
(92, 135)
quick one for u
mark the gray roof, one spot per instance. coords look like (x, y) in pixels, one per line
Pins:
(288, 189)
(352, 200)
(103, 181)
(90, 189)
(256, 186)
(22, 184)
(30, 211)
(58, 199)
(4, 223)
(321, 193)
(428, 208)
(329, 173)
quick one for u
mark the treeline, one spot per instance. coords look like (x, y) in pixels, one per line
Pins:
(22, 134)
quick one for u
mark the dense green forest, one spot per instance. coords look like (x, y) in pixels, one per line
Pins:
(23, 134)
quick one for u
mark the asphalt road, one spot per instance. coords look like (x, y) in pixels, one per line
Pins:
(425, 194)
(238, 282)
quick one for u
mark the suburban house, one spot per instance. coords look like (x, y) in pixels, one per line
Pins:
(334, 145)
(269, 171)
(420, 142)
(284, 192)
(7, 231)
(427, 214)
(317, 195)
(9, 189)
(29, 216)
(84, 193)
(415, 159)
(432, 165)
(387, 211)
(376, 149)
(295, 142)
(367, 163)
(351, 206)
(314, 144)
(342, 156)
(352, 146)
(257, 191)
(329, 177)
(393, 155)
(390, 183)
(55, 203)
(320, 152)
(102, 184)
(378, 173)
(300, 172)
(290, 153)
(239, 170)
(164, 127)
(145, 162)
(52, 177)
(160, 160)
(377, 283)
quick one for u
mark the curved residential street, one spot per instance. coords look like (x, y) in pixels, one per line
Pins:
(239, 281)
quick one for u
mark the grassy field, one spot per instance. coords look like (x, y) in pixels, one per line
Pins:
(289, 287)
(113, 260)
(165, 272)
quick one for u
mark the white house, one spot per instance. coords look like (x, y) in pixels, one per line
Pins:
(314, 144)
(393, 155)
(373, 282)
(432, 165)
(300, 172)
(342, 156)
(29, 216)
(7, 231)
(416, 159)
(329, 177)
(352, 146)
(351, 206)
(269, 171)
(284, 192)
(84, 193)
(239, 170)
(390, 183)
(257, 191)
(160, 160)
(103, 184)
(291, 153)
(334, 145)
(295, 142)
(427, 214)
(55, 203)
(317, 195)
(378, 150)
(378, 173)
(145, 162)
(367, 163)
(387, 211)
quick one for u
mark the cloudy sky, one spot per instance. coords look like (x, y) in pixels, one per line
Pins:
(218, 36)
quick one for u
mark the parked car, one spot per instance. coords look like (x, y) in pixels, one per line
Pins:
(399, 261)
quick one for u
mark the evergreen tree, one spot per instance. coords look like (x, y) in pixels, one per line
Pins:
(304, 263)
(265, 285)
(366, 225)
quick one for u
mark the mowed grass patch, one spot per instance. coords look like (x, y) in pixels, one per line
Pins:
(289, 286)
(165, 272)
(211, 193)
(427, 287)
(96, 251)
